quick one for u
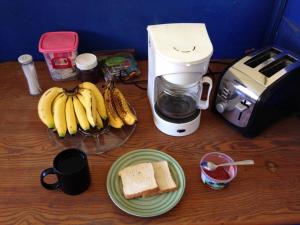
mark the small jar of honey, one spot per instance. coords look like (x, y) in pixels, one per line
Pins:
(88, 67)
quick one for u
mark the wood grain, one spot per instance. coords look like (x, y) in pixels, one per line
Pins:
(267, 193)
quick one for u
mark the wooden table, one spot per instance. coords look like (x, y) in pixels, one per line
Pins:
(267, 193)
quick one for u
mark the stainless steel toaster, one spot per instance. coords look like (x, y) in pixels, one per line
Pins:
(259, 89)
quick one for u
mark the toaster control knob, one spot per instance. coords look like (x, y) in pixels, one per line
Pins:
(221, 107)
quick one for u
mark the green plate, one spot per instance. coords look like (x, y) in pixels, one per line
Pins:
(150, 206)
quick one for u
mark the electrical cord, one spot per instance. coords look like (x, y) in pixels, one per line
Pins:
(213, 73)
(216, 61)
(142, 84)
(137, 83)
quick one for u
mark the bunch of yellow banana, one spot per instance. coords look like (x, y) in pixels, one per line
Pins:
(118, 111)
(61, 110)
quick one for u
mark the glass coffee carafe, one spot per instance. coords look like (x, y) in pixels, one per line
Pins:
(180, 103)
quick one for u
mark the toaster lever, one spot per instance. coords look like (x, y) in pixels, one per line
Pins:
(241, 107)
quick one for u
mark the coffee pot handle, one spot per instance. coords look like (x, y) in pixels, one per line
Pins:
(203, 104)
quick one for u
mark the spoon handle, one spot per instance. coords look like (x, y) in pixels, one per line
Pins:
(244, 162)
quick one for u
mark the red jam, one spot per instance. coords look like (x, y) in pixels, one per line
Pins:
(219, 174)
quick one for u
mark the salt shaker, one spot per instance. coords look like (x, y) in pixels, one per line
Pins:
(30, 74)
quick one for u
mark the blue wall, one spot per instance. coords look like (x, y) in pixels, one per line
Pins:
(288, 34)
(233, 25)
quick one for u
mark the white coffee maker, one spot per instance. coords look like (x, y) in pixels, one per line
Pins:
(178, 57)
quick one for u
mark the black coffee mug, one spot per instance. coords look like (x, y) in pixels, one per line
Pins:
(72, 171)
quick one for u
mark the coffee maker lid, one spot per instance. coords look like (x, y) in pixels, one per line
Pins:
(181, 43)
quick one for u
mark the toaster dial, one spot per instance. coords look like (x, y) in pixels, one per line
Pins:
(221, 107)
(234, 105)
(224, 105)
(227, 97)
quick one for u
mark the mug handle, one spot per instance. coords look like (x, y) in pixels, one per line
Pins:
(203, 104)
(46, 185)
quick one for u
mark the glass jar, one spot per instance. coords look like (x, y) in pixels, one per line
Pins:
(88, 68)
(30, 73)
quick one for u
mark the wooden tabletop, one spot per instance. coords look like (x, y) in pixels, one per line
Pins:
(267, 193)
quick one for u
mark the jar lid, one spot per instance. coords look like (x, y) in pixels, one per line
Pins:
(25, 59)
(86, 61)
(60, 41)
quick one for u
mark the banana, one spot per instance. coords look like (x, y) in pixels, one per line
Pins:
(52, 108)
(94, 108)
(85, 97)
(70, 116)
(44, 106)
(113, 118)
(81, 99)
(99, 98)
(122, 107)
(59, 114)
(99, 122)
(80, 114)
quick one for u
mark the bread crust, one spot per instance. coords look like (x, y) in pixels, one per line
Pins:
(150, 193)
(142, 194)
(158, 191)
(167, 190)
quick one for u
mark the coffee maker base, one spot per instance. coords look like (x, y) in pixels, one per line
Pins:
(176, 129)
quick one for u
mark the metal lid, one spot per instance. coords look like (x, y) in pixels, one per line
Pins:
(25, 59)
(86, 61)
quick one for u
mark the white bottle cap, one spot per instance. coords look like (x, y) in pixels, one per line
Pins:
(86, 61)
(25, 59)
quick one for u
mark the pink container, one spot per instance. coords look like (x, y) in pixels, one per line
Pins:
(60, 51)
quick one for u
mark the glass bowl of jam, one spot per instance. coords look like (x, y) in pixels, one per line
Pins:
(221, 176)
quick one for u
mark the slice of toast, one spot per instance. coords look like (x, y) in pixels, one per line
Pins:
(163, 177)
(138, 180)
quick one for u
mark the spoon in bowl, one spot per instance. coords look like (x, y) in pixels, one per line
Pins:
(210, 166)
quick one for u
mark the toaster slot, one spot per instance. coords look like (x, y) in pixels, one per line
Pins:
(277, 65)
(262, 57)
